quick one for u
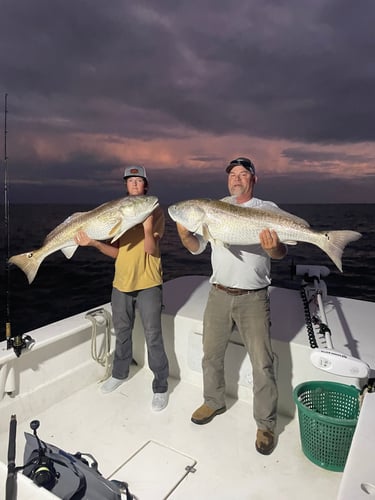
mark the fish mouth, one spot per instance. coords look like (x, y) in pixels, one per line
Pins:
(172, 212)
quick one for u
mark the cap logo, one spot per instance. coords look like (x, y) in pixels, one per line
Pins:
(135, 171)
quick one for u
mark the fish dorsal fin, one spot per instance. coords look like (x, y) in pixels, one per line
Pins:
(270, 209)
(69, 251)
(73, 217)
(279, 211)
(59, 228)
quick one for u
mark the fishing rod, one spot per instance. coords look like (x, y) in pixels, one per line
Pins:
(19, 342)
(11, 482)
(8, 333)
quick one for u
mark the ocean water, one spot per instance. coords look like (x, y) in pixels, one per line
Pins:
(65, 287)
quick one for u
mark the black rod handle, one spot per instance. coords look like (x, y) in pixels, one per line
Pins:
(10, 488)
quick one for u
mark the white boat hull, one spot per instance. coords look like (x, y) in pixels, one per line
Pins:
(56, 382)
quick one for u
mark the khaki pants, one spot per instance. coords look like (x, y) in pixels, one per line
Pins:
(251, 314)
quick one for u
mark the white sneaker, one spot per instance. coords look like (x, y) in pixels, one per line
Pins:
(159, 401)
(111, 384)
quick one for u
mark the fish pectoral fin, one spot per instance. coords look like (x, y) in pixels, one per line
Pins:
(119, 229)
(116, 231)
(118, 235)
(220, 243)
(206, 233)
(69, 251)
(208, 236)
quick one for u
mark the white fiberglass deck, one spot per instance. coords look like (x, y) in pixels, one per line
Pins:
(164, 455)
(115, 426)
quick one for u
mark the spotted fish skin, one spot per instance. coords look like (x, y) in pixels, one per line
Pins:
(226, 223)
(105, 222)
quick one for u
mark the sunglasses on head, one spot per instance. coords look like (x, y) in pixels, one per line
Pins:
(244, 162)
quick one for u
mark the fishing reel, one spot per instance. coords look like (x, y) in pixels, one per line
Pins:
(44, 473)
(40, 469)
(18, 343)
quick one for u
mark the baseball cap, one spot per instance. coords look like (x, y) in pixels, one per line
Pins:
(135, 171)
(241, 161)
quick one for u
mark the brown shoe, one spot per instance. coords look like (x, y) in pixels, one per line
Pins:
(205, 414)
(265, 442)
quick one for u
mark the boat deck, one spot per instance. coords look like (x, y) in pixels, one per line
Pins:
(164, 455)
(120, 428)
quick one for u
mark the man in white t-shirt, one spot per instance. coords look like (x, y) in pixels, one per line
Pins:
(239, 296)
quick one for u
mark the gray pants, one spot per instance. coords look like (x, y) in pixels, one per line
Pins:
(149, 304)
(251, 314)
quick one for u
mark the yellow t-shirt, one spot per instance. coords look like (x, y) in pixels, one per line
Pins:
(134, 268)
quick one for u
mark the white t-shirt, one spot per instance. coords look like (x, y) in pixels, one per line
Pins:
(238, 266)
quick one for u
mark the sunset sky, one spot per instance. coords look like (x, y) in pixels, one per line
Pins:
(183, 87)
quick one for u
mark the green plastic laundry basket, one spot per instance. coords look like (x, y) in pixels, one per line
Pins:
(327, 414)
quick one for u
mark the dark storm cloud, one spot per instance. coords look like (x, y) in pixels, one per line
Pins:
(82, 180)
(316, 189)
(308, 160)
(299, 155)
(85, 71)
(302, 71)
(80, 172)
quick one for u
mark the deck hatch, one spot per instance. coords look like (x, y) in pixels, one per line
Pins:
(154, 471)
